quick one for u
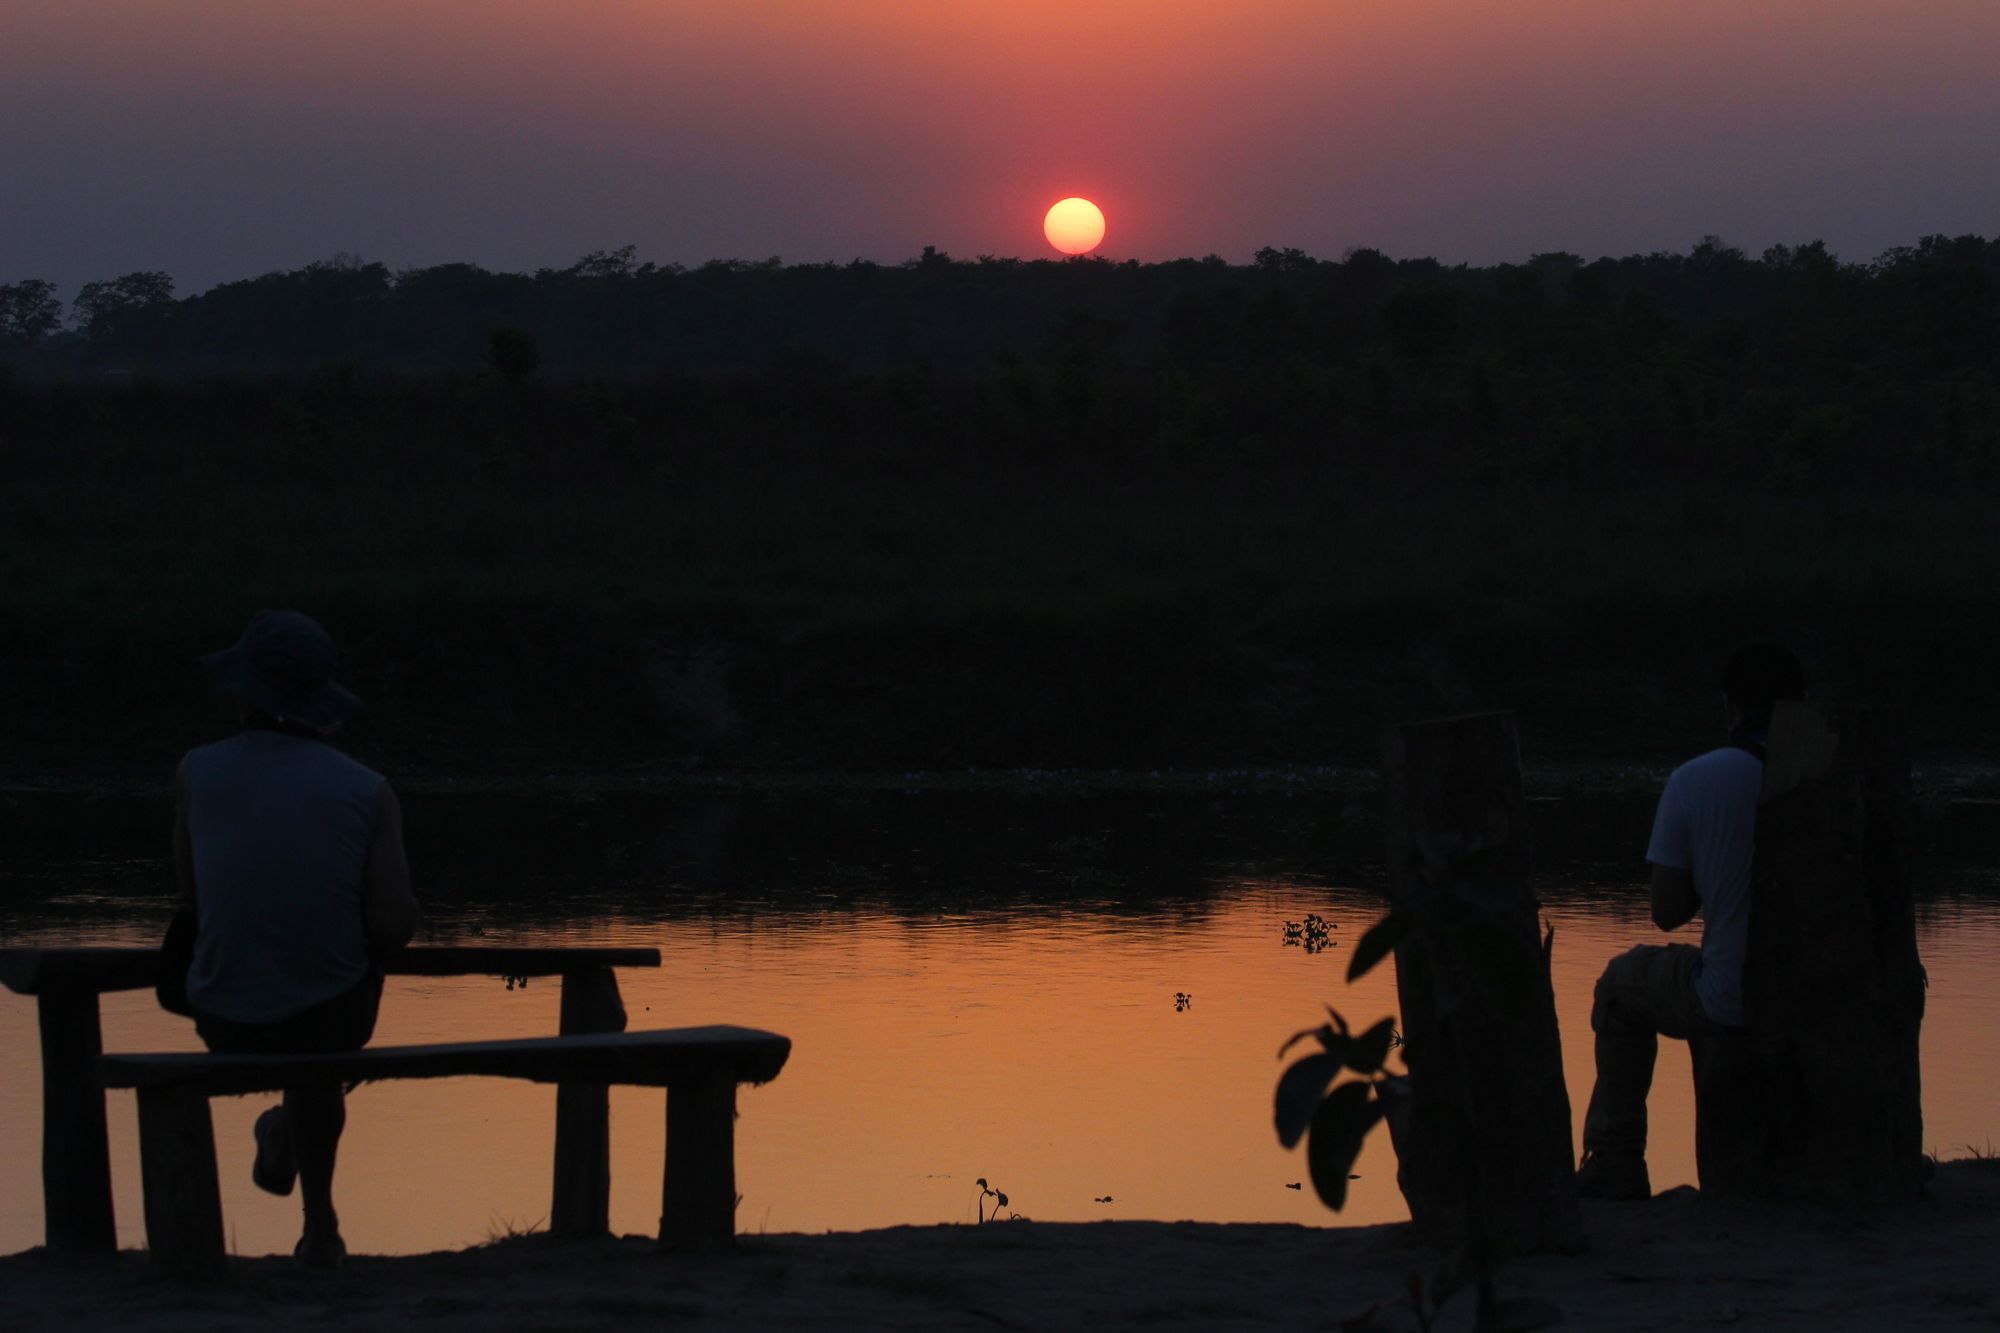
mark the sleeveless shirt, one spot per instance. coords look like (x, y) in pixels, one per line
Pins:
(280, 827)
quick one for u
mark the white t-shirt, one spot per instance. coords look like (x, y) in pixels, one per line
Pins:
(1707, 824)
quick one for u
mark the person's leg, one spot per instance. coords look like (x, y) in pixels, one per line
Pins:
(1627, 1047)
(302, 1135)
(1638, 999)
(315, 1115)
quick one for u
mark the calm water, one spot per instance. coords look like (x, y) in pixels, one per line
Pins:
(975, 986)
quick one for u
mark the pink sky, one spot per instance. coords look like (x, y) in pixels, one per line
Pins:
(222, 138)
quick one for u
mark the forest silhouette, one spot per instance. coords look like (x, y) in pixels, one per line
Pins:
(1002, 512)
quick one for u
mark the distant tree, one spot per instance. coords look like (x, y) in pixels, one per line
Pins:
(1287, 260)
(619, 263)
(29, 311)
(110, 307)
(513, 355)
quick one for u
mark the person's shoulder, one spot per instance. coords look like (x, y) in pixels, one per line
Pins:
(1726, 764)
(201, 755)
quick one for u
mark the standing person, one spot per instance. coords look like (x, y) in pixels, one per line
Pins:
(291, 855)
(1701, 850)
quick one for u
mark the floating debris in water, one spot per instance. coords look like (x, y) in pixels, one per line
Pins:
(1296, 1185)
(1181, 1001)
(1102, 1198)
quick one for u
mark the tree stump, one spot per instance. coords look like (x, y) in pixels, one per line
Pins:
(1484, 1143)
(1820, 1097)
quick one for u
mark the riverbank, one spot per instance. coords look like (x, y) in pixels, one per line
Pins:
(1677, 1262)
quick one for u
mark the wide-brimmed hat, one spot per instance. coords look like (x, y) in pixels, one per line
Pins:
(284, 665)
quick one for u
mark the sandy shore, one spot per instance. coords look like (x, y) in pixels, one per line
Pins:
(1675, 1262)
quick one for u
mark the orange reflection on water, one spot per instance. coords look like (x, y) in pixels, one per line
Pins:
(1042, 1051)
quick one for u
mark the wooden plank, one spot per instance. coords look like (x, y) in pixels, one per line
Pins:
(580, 1205)
(1484, 1154)
(647, 1059)
(76, 1159)
(698, 1194)
(33, 971)
(177, 1169)
(511, 961)
(1822, 1100)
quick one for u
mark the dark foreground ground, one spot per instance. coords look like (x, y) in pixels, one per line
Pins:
(1677, 1262)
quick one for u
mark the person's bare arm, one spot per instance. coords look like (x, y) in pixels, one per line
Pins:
(183, 845)
(1674, 900)
(388, 908)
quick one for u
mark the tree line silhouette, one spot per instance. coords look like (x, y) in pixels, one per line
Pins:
(1781, 369)
(1006, 512)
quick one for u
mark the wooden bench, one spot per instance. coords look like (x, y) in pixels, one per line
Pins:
(699, 1067)
(76, 1155)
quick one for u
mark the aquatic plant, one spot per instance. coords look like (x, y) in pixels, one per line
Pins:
(1314, 934)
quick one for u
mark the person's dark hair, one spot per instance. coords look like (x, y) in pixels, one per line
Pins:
(1758, 676)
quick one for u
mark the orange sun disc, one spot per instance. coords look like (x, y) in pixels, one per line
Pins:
(1074, 226)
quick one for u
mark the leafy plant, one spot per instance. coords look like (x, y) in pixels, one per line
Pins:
(1457, 911)
(1337, 1122)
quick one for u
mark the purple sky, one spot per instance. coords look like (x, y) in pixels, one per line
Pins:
(218, 139)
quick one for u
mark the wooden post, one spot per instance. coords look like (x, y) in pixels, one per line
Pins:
(177, 1170)
(1484, 1155)
(581, 1206)
(698, 1197)
(76, 1156)
(1820, 1098)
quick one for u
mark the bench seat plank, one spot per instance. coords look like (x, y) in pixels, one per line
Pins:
(648, 1059)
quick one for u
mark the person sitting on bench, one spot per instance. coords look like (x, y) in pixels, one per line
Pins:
(1701, 861)
(291, 855)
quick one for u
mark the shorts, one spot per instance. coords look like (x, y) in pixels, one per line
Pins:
(343, 1023)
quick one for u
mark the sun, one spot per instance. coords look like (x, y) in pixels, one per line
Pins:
(1074, 226)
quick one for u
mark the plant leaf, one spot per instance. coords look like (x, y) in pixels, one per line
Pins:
(1324, 1032)
(1299, 1091)
(1367, 1052)
(1383, 936)
(1338, 1127)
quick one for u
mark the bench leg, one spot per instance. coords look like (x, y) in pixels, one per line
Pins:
(698, 1201)
(177, 1168)
(76, 1154)
(580, 1208)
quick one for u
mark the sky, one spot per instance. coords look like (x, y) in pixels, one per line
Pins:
(219, 139)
